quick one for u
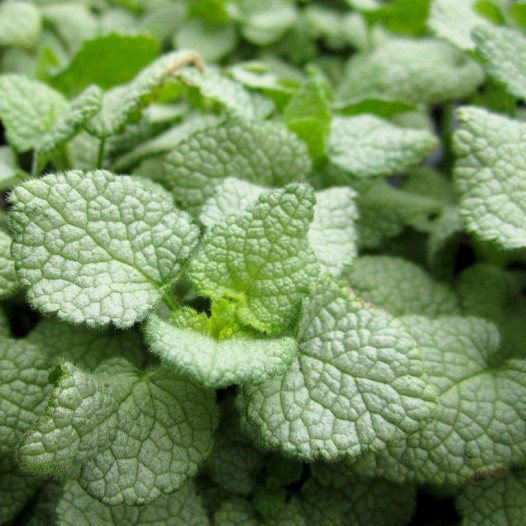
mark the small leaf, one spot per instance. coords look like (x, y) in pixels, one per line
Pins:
(261, 259)
(20, 24)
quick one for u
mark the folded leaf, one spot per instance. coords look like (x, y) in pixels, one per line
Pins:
(357, 386)
(129, 436)
(264, 153)
(214, 363)
(97, 248)
(121, 104)
(479, 425)
(489, 174)
(366, 146)
(261, 259)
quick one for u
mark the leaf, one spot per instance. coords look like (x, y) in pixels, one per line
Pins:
(227, 93)
(23, 389)
(412, 71)
(488, 173)
(240, 512)
(332, 233)
(97, 248)
(107, 61)
(494, 294)
(504, 53)
(129, 436)
(454, 20)
(122, 103)
(263, 153)
(308, 116)
(357, 386)
(263, 22)
(73, 23)
(217, 363)
(366, 146)
(8, 281)
(400, 287)
(211, 42)
(183, 508)
(10, 173)
(20, 24)
(479, 425)
(84, 347)
(336, 497)
(82, 109)
(28, 110)
(261, 259)
(500, 501)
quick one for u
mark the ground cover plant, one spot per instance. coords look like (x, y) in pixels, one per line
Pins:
(263, 263)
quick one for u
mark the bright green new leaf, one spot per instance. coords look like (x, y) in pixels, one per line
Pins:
(84, 347)
(367, 146)
(264, 153)
(183, 508)
(357, 386)
(129, 436)
(500, 501)
(479, 425)
(213, 362)
(28, 110)
(122, 103)
(308, 116)
(454, 20)
(489, 174)
(8, 281)
(336, 497)
(504, 53)
(107, 61)
(413, 71)
(261, 259)
(400, 286)
(97, 248)
(20, 24)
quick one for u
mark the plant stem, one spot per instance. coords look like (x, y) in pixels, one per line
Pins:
(170, 300)
(445, 136)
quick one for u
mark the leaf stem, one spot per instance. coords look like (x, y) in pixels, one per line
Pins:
(170, 300)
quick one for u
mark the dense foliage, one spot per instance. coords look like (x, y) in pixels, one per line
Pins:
(263, 262)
